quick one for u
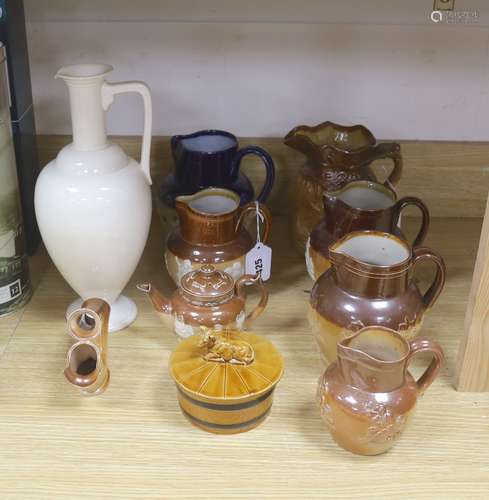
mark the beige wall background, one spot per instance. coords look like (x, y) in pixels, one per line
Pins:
(260, 67)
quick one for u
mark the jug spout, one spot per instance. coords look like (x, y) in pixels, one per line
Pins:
(184, 211)
(374, 359)
(371, 263)
(161, 304)
(86, 365)
(208, 217)
(339, 217)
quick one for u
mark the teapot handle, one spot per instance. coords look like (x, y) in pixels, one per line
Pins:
(251, 207)
(422, 344)
(433, 292)
(109, 90)
(425, 216)
(391, 150)
(249, 279)
(269, 168)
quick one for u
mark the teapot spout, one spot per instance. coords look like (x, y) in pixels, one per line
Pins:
(86, 365)
(162, 305)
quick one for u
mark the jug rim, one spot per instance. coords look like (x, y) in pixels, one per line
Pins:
(83, 71)
(370, 140)
(367, 183)
(211, 191)
(210, 132)
(343, 344)
(364, 268)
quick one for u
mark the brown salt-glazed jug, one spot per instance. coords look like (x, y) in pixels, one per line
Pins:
(211, 231)
(359, 206)
(367, 397)
(207, 297)
(336, 155)
(371, 282)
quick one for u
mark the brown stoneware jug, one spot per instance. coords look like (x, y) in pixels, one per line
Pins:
(367, 397)
(211, 231)
(371, 282)
(335, 155)
(358, 206)
(207, 297)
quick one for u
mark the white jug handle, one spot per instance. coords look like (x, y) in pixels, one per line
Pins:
(109, 90)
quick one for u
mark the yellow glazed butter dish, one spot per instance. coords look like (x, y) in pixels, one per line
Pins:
(225, 379)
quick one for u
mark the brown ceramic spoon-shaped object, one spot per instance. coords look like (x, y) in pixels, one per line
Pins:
(86, 362)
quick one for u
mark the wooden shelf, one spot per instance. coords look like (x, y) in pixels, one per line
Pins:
(133, 442)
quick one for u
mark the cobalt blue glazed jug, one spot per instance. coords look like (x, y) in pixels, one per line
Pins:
(210, 158)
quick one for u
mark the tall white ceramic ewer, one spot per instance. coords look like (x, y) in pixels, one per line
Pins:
(93, 202)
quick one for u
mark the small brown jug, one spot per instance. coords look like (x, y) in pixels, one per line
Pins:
(211, 231)
(207, 297)
(370, 282)
(359, 206)
(335, 156)
(367, 397)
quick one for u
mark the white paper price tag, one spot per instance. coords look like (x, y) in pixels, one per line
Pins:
(259, 261)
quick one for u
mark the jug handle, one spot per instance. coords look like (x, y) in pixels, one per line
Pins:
(269, 168)
(249, 279)
(422, 344)
(265, 213)
(109, 90)
(391, 150)
(425, 216)
(433, 292)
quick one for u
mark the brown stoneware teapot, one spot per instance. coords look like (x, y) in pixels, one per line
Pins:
(367, 397)
(211, 231)
(335, 155)
(371, 282)
(358, 206)
(207, 297)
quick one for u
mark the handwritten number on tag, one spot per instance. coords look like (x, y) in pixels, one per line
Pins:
(259, 261)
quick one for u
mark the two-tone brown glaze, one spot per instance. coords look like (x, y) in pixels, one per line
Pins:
(359, 206)
(336, 155)
(209, 298)
(211, 231)
(371, 282)
(367, 397)
(86, 362)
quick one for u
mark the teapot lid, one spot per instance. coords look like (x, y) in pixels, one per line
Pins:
(207, 284)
